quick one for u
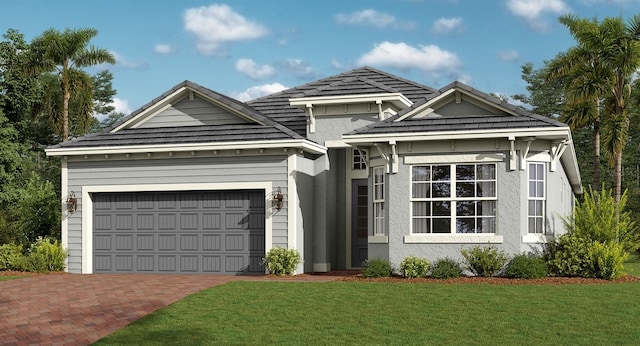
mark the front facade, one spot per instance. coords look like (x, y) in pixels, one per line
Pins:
(355, 166)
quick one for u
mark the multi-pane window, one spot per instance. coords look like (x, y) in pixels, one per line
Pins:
(453, 198)
(537, 199)
(359, 159)
(378, 201)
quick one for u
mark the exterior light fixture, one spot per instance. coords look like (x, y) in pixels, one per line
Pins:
(72, 203)
(278, 198)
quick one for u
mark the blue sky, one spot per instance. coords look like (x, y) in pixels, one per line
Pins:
(245, 49)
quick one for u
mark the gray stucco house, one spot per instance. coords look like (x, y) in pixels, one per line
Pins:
(367, 165)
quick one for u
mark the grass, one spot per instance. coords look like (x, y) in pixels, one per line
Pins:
(393, 313)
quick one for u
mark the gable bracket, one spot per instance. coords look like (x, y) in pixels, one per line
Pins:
(557, 149)
(380, 113)
(512, 153)
(524, 152)
(312, 118)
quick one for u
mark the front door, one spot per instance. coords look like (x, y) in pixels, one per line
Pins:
(359, 221)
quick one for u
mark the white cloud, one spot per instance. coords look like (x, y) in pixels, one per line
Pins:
(532, 11)
(123, 62)
(445, 26)
(218, 24)
(163, 48)
(509, 55)
(366, 17)
(121, 105)
(298, 68)
(249, 68)
(431, 59)
(258, 91)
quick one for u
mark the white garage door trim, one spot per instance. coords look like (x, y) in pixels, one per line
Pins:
(87, 208)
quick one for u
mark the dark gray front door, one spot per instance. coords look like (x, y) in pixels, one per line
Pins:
(359, 221)
(212, 232)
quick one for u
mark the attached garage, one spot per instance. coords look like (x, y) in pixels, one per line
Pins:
(207, 232)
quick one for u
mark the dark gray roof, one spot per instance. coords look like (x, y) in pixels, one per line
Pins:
(364, 80)
(179, 135)
(271, 130)
(521, 120)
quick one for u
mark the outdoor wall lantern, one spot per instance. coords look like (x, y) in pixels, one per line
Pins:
(278, 198)
(72, 203)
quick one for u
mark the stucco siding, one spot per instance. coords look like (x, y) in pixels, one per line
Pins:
(306, 208)
(205, 170)
(331, 127)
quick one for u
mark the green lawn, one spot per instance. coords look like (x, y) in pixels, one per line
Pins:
(394, 313)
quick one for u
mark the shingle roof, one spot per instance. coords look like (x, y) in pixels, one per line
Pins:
(264, 128)
(364, 80)
(179, 135)
(519, 119)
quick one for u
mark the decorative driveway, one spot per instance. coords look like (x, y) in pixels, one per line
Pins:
(76, 309)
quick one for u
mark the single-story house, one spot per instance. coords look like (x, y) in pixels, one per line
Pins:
(359, 165)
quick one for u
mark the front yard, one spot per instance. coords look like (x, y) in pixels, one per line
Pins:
(272, 312)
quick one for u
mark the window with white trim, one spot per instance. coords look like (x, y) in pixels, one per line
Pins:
(537, 197)
(359, 159)
(378, 201)
(453, 198)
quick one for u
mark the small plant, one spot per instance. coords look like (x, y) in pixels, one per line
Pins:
(45, 255)
(10, 257)
(376, 268)
(526, 266)
(446, 268)
(414, 267)
(484, 261)
(280, 261)
(607, 260)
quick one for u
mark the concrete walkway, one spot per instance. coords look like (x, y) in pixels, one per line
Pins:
(74, 309)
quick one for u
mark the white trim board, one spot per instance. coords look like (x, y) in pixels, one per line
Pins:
(87, 208)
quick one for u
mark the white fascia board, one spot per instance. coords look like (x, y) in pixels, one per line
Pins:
(560, 132)
(395, 98)
(149, 112)
(132, 149)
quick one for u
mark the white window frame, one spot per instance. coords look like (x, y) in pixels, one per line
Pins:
(463, 237)
(379, 228)
(358, 161)
(539, 228)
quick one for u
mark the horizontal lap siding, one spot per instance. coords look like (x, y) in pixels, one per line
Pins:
(192, 112)
(174, 171)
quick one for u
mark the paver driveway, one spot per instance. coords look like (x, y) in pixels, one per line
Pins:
(74, 309)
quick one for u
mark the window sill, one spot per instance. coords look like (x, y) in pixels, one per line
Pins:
(378, 239)
(535, 238)
(453, 238)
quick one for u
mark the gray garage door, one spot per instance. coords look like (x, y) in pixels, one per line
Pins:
(215, 232)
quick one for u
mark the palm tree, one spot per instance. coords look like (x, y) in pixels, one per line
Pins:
(600, 70)
(67, 53)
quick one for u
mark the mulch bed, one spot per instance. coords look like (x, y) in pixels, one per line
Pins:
(497, 280)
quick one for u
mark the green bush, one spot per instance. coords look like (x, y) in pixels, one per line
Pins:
(484, 261)
(376, 268)
(526, 266)
(606, 260)
(446, 268)
(45, 255)
(280, 261)
(414, 267)
(10, 257)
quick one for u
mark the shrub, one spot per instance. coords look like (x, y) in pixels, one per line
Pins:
(376, 268)
(45, 255)
(484, 261)
(606, 260)
(414, 267)
(446, 268)
(280, 261)
(10, 257)
(526, 266)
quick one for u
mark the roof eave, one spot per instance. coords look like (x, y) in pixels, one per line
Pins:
(303, 144)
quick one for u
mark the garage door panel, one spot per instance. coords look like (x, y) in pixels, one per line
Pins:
(182, 232)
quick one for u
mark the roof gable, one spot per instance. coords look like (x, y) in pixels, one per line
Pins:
(189, 104)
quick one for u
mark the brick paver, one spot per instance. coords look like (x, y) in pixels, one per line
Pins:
(76, 309)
